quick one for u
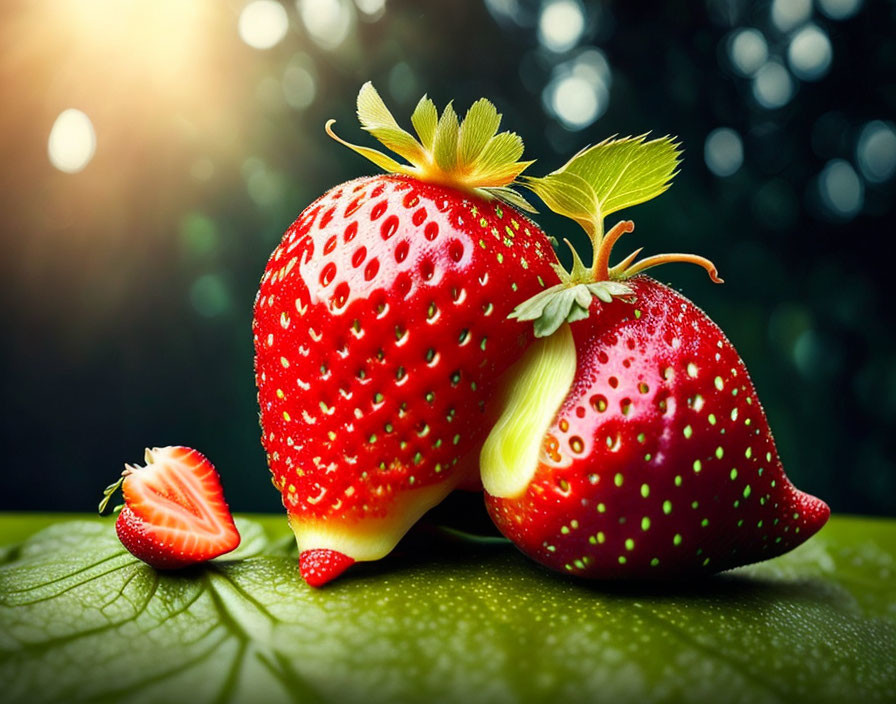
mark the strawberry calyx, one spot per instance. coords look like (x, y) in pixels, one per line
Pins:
(110, 491)
(599, 180)
(113, 488)
(469, 154)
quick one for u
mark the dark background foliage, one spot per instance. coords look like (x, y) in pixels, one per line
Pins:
(127, 287)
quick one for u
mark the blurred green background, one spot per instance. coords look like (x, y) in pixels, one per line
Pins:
(154, 152)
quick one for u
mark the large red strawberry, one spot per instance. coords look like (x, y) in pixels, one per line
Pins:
(174, 513)
(632, 442)
(381, 331)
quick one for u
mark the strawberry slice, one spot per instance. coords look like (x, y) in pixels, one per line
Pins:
(174, 513)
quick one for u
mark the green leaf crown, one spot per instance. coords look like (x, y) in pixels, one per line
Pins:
(598, 181)
(470, 155)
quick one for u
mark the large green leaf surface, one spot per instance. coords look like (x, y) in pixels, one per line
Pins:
(442, 621)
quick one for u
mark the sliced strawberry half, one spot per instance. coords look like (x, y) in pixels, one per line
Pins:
(174, 513)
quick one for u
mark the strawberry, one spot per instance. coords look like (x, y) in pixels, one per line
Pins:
(174, 512)
(381, 330)
(632, 442)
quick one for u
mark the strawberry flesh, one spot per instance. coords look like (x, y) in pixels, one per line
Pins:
(175, 514)
(660, 461)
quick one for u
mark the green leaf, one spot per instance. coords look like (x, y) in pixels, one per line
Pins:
(620, 173)
(570, 195)
(81, 620)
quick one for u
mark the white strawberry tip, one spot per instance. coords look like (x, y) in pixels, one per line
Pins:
(373, 538)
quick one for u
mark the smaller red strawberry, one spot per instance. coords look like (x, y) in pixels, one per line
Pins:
(174, 513)
(632, 442)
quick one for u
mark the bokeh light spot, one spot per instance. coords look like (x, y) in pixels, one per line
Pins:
(723, 151)
(839, 9)
(510, 12)
(809, 53)
(561, 24)
(209, 296)
(371, 10)
(198, 235)
(841, 190)
(876, 151)
(263, 24)
(575, 101)
(772, 85)
(579, 90)
(790, 14)
(72, 141)
(327, 21)
(403, 83)
(299, 84)
(592, 65)
(747, 50)
(264, 186)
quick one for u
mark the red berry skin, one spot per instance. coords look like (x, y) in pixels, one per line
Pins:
(660, 461)
(381, 332)
(175, 514)
(318, 567)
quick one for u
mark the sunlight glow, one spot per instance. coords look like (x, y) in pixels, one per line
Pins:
(72, 141)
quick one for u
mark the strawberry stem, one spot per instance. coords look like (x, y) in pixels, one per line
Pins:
(658, 259)
(600, 269)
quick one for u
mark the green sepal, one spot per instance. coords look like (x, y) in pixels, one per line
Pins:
(108, 493)
(510, 196)
(566, 303)
(470, 155)
(376, 119)
(425, 119)
(480, 125)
